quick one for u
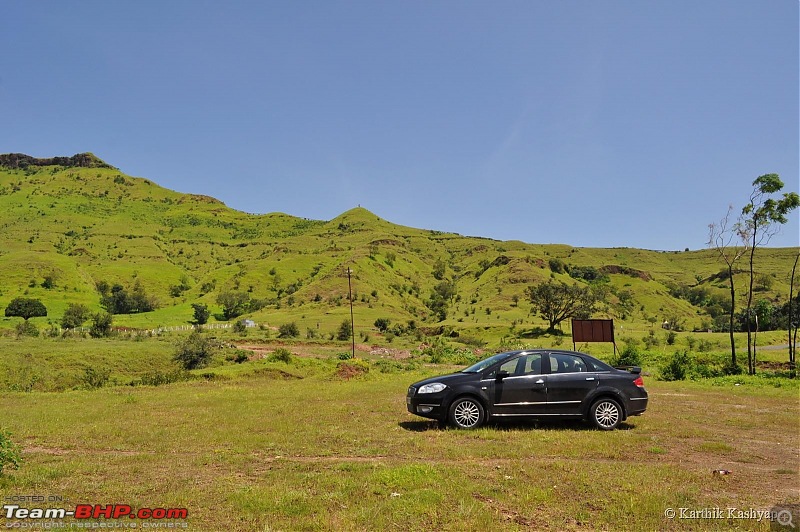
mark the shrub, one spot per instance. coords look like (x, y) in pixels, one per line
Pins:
(280, 355)
(345, 330)
(345, 355)
(240, 327)
(75, 316)
(195, 351)
(26, 328)
(93, 379)
(629, 356)
(10, 453)
(201, 313)
(288, 330)
(671, 337)
(677, 367)
(382, 324)
(101, 325)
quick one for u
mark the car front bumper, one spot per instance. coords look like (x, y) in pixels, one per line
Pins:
(426, 405)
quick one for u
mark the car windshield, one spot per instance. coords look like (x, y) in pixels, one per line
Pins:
(483, 364)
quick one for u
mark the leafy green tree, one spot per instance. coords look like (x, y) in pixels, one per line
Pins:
(75, 315)
(439, 270)
(763, 217)
(288, 330)
(556, 302)
(201, 313)
(101, 325)
(345, 331)
(234, 304)
(25, 308)
(441, 295)
(382, 324)
(195, 351)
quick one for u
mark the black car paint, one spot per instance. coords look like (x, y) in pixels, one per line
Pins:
(542, 395)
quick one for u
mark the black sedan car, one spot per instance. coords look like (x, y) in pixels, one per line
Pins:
(539, 383)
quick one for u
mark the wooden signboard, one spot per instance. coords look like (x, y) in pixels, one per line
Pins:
(593, 331)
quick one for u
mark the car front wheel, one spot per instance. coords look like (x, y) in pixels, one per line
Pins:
(606, 414)
(467, 413)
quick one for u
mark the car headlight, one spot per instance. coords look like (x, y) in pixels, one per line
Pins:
(432, 388)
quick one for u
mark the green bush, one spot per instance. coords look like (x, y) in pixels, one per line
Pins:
(10, 453)
(288, 330)
(101, 325)
(195, 351)
(240, 327)
(677, 367)
(26, 328)
(280, 355)
(629, 356)
(93, 379)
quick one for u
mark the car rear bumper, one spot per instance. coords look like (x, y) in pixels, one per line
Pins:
(636, 406)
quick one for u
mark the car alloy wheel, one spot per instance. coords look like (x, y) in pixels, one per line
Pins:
(606, 414)
(466, 413)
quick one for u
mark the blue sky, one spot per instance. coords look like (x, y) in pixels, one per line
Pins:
(628, 123)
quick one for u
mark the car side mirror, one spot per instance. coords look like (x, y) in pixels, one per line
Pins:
(502, 374)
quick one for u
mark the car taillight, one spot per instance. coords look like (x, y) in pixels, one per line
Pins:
(639, 382)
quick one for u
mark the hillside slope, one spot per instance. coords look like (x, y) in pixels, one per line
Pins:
(75, 222)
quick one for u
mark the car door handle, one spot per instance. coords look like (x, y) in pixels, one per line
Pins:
(540, 381)
(589, 378)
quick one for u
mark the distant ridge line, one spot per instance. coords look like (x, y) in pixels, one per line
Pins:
(81, 160)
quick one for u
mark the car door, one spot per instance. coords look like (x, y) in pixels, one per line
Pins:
(569, 383)
(520, 386)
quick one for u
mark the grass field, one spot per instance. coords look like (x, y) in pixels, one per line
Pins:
(268, 451)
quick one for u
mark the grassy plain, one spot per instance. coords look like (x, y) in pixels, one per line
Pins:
(273, 446)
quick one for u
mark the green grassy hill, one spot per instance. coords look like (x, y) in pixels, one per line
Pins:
(79, 221)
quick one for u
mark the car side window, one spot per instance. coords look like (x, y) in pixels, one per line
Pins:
(530, 364)
(561, 363)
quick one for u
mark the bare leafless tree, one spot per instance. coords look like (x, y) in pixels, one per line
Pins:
(730, 240)
(793, 322)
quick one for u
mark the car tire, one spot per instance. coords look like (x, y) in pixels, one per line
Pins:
(467, 413)
(605, 414)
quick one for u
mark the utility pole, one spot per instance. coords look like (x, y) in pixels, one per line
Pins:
(352, 321)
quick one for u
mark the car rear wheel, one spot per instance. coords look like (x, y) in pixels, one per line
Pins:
(467, 413)
(606, 414)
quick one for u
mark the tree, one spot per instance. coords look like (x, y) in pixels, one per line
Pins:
(25, 308)
(762, 218)
(345, 331)
(195, 351)
(559, 301)
(793, 322)
(288, 330)
(382, 324)
(439, 270)
(441, 295)
(234, 304)
(721, 237)
(101, 325)
(75, 315)
(201, 313)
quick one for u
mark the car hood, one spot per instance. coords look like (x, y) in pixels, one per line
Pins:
(449, 379)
